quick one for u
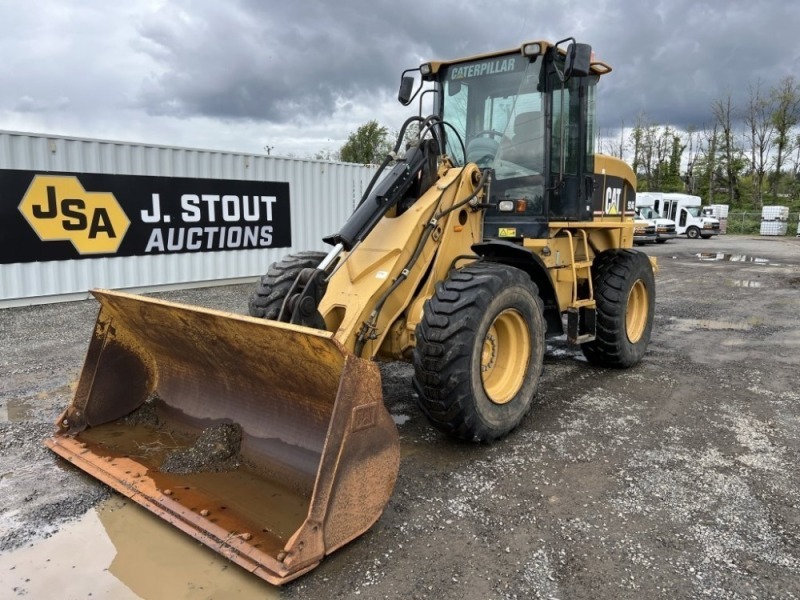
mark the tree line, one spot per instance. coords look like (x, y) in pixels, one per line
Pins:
(748, 153)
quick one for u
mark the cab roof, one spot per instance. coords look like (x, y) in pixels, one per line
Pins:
(598, 67)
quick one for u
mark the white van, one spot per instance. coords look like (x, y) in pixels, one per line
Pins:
(665, 228)
(686, 210)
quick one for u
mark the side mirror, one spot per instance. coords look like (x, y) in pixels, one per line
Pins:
(406, 88)
(579, 60)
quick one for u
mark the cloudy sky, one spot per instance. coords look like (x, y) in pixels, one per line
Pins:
(299, 75)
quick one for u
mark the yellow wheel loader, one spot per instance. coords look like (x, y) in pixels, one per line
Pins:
(265, 436)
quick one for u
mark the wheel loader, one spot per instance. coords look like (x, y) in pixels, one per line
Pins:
(492, 227)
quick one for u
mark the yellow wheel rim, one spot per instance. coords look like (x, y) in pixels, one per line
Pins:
(504, 356)
(636, 314)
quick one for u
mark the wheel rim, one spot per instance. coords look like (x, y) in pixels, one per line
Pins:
(504, 356)
(636, 313)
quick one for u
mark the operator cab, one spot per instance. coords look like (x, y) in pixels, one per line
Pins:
(512, 112)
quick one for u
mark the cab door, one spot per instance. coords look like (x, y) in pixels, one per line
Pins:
(571, 129)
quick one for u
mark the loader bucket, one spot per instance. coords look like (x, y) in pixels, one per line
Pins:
(267, 442)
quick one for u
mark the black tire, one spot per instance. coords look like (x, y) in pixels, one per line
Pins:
(272, 288)
(481, 337)
(661, 241)
(621, 278)
(706, 237)
(693, 233)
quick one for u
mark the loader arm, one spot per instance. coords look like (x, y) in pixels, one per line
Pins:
(370, 292)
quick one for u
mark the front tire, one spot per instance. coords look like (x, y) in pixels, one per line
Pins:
(625, 292)
(479, 351)
(273, 287)
(693, 233)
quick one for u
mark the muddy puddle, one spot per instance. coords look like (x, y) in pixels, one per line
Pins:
(17, 410)
(121, 551)
(689, 325)
(744, 283)
(743, 258)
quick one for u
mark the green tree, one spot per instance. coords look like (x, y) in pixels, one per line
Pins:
(367, 145)
(673, 182)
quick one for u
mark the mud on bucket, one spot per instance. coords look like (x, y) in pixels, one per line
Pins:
(267, 442)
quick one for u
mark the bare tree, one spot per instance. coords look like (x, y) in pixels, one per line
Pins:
(786, 114)
(711, 161)
(723, 115)
(694, 147)
(636, 141)
(647, 151)
(759, 134)
(610, 146)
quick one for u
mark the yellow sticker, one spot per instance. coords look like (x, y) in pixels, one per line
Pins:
(507, 232)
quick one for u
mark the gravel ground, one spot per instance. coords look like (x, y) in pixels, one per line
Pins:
(676, 478)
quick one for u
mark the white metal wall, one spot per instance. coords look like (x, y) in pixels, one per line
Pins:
(322, 196)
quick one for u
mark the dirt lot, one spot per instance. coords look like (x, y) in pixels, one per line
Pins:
(677, 478)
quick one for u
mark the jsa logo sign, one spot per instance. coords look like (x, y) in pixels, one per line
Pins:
(58, 208)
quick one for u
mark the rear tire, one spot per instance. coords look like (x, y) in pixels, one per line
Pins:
(693, 233)
(273, 287)
(479, 351)
(625, 292)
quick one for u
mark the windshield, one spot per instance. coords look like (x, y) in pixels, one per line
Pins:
(695, 211)
(495, 106)
(649, 213)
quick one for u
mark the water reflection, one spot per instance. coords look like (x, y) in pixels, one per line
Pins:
(722, 256)
(16, 410)
(121, 551)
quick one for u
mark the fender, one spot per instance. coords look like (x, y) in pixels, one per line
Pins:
(515, 255)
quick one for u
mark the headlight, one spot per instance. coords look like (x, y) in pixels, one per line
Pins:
(505, 205)
(532, 49)
(425, 69)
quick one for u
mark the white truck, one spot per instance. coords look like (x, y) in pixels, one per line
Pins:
(686, 210)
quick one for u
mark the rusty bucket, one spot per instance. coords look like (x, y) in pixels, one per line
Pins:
(267, 442)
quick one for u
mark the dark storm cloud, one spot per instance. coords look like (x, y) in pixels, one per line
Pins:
(312, 69)
(277, 61)
(672, 59)
(295, 60)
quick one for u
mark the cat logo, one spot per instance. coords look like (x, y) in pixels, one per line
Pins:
(58, 209)
(613, 196)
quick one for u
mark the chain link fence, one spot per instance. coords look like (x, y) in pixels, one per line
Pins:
(749, 223)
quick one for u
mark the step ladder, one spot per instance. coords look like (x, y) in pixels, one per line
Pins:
(581, 312)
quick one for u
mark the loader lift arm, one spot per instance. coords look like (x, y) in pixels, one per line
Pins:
(411, 176)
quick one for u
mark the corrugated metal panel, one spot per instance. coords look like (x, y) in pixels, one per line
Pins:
(322, 196)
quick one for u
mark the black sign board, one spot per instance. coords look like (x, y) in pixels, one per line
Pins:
(48, 216)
